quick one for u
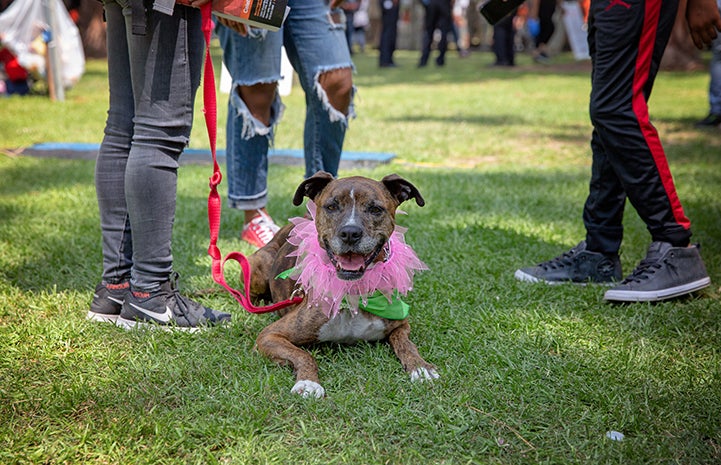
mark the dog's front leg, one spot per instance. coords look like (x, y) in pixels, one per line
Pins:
(277, 346)
(407, 353)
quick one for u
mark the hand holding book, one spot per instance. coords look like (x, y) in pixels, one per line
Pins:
(237, 26)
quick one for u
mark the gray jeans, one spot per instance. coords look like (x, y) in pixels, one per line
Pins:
(152, 80)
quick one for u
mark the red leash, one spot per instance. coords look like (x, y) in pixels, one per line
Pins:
(210, 109)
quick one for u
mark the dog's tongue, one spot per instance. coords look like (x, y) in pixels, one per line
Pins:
(351, 262)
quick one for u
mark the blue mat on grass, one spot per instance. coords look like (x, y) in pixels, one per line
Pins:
(88, 151)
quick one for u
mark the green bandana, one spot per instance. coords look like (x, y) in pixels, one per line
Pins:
(285, 274)
(378, 305)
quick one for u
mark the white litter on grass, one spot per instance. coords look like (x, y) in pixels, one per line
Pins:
(614, 435)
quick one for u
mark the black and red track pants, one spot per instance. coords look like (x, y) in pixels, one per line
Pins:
(626, 42)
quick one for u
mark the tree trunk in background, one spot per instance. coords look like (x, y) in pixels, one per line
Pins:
(92, 28)
(681, 54)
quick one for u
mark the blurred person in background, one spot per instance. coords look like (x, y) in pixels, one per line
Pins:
(390, 13)
(713, 119)
(437, 17)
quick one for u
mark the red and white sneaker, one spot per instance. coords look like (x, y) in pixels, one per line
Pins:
(260, 230)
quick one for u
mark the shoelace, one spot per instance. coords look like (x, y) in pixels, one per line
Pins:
(174, 300)
(183, 306)
(269, 222)
(646, 269)
(560, 261)
(263, 227)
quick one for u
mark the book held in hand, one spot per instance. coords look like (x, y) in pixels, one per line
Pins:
(267, 14)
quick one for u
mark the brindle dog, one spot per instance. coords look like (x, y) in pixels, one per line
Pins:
(355, 218)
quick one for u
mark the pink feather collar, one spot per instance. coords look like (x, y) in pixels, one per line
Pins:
(317, 275)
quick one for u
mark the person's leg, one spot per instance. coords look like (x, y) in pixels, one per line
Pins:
(151, 172)
(110, 165)
(155, 145)
(713, 119)
(502, 36)
(511, 46)
(387, 39)
(254, 109)
(604, 207)
(259, 99)
(547, 28)
(498, 33)
(428, 29)
(714, 89)
(360, 35)
(629, 45)
(596, 258)
(113, 154)
(349, 30)
(389, 32)
(320, 56)
(445, 25)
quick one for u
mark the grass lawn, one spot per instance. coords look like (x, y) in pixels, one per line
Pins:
(529, 373)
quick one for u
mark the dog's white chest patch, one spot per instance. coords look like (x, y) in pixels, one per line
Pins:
(347, 328)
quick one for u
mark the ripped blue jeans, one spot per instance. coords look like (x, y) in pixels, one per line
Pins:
(314, 45)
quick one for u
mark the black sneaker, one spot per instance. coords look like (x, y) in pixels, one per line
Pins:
(578, 265)
(666, 272)
(166, 308)
(710, 121)
(107, 301)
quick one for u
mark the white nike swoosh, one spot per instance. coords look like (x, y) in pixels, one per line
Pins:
(117, 301)
(162, 317)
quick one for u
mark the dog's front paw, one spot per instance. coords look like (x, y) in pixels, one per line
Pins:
(424, 374)
(307, 388)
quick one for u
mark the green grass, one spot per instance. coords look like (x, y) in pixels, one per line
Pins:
(529, 374)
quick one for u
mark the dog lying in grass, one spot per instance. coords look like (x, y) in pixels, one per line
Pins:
(351, 263)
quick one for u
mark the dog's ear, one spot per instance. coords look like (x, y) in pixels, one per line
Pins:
(402, 190)
(312, 186)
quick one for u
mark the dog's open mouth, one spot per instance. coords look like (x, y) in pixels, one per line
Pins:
(351, 266)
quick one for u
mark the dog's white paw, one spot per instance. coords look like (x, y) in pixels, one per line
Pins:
(424, 374)
(307, 388)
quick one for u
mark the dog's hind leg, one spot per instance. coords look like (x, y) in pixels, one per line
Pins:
(261, 266)
(260, 271)
(407, 353)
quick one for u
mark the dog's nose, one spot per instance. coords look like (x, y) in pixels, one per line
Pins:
(350, 234)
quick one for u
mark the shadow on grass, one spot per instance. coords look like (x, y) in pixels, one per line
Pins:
(458, 203)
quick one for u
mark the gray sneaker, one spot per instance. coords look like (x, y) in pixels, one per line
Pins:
(578, 266)
(666, 272)
(107, 301)
(167, 309)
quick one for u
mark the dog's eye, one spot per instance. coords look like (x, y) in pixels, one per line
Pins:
(375, 210)
(331, 207)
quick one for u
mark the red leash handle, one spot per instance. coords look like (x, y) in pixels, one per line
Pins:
(210, 110)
